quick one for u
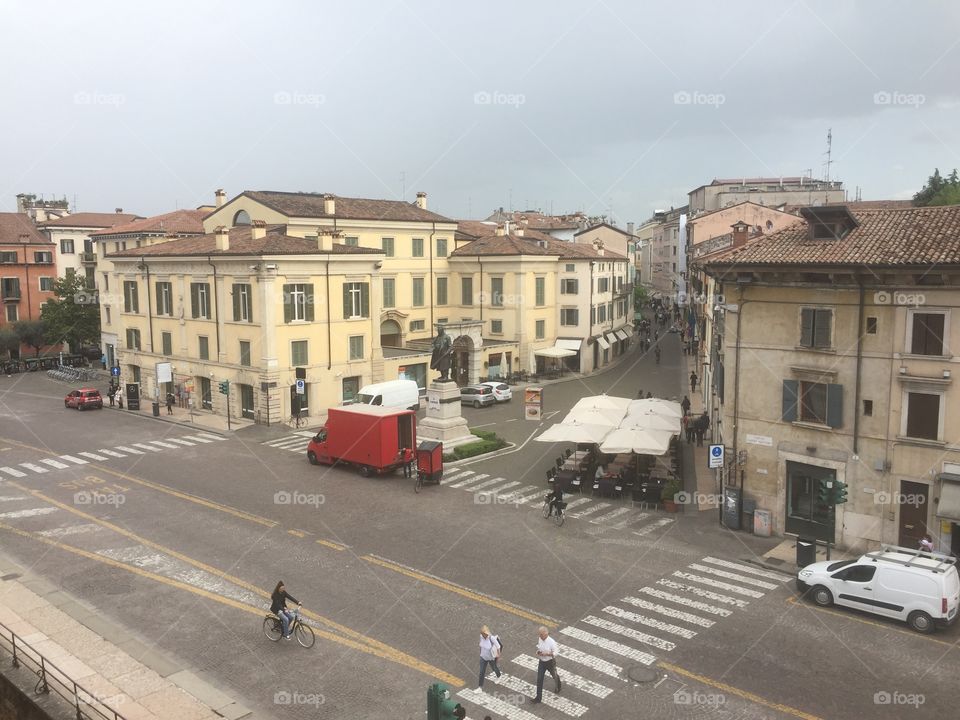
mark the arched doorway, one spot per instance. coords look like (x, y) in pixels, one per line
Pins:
(390, 334)
(460, 367)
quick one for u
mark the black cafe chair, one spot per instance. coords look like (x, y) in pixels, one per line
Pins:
(568, 452)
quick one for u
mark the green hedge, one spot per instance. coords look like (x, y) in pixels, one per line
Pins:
(488, 442)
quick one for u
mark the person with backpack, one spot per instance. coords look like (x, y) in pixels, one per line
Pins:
(490, 648)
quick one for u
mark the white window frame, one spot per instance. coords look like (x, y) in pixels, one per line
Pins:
(40, 283)
(563, 312)
(538, 335)
(908, 340)
(355, 290)
(298, 302)
(493, 327)
(63, 246)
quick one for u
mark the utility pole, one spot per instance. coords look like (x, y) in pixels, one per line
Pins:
(829, 151)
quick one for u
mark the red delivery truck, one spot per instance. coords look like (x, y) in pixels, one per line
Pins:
(369, 436)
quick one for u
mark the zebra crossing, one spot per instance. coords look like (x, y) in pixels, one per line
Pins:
(642, 627)
(62, 462)
(297, 442)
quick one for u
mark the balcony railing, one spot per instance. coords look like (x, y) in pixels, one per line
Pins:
(11, 295)
(88, 257)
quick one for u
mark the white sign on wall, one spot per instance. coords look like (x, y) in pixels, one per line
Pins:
(765, 440)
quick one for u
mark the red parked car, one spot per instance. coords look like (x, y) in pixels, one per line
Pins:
(83, 399)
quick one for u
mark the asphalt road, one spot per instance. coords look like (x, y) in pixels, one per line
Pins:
(180, 536)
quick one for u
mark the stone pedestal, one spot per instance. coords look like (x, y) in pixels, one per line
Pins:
(444, 422)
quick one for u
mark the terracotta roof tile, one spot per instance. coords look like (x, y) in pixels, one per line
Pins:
(92, 220)
(173, 223)
(310, 205)
(530, 244)
(17, 228)
(275, 242)
(883, 237)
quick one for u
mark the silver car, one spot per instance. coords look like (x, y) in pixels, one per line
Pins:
(477, 395)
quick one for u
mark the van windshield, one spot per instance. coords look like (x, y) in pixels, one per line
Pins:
(364, 398)
(838, 565)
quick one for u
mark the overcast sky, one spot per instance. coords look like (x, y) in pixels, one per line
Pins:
(596, 106)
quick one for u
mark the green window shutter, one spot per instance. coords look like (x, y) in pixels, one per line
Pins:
(821, 328)
(835, 405)
(365, 299)
(287, 303)
(236, 303)
(194, 300)
(791, 389)
(308, 302)
(158, 289)
(806, 327)
(346, 301)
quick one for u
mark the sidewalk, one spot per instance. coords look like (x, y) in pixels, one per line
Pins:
(109, 663)
(707, 488)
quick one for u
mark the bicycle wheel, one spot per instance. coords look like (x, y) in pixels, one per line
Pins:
(272, 628)
(546, 509)
(416, 488)
(305, 635)
(558, 518)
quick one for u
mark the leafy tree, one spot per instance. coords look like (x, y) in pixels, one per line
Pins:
(71, 317)
(32, 333)
(939, 190)
(639, 296)
(9, 342)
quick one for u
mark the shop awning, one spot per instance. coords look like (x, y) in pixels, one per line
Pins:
(949, 507)
(622, 334)
(554, 352)
(612, 338)
(569, 344)
(601, 341)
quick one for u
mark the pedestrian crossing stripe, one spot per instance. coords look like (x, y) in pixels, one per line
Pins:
(650, 622)
(209, 435)
(35, 468)
(635, 635)
(197, 438)
(54, 463)
(527, 498)
(610, 515)
(455, 476)
(495, 705)
(569, 679)
(700, 592)
(181, 441)
(486, 483)
(92, 456)
(74, 460)
(589, 511)
(712, 582)
(653, 526)
(669, 612)
(30, 512)
(146, 447)
(733, 576)
(13, 472)
(576, 503)
(514, 495)
(164, 444)
(564, 705)
(111, 453)
(595, 663)
(497, 490)
(470, 481)
(770, 575)
(608, 645)
(128, 450)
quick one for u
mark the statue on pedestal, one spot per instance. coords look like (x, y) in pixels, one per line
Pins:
(442, 354)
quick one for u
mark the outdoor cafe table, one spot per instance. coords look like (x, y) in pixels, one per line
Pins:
(574, 463)
(565, 479)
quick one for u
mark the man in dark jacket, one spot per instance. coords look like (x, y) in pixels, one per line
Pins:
(703, 424)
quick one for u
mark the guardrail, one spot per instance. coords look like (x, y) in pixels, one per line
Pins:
(51, 678)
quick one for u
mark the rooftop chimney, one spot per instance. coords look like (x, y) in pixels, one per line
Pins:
(740, 232)
(221, 197)
(258, 229)
(422, 200)
(222, 238)
(329, 204)
(629, 228)
(325, 238)
(518, 231)
(500, 229)
(119, 211)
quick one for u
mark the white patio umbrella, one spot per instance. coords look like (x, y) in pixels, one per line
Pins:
(574, 432)
(642, 442)
(667, 408)
(651, 421)
(602, 402)
(610, 418)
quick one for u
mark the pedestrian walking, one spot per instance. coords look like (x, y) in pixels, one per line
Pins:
(687, 423)
(110, 394)
(649, 395)
(656, 353)
(693, 381)
(170, 399)
(489, 654)
(547, 655)
(685, 405)
(119, 397)
(702, 425)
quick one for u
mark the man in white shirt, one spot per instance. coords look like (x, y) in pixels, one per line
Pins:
(489, 653)
(547, 655)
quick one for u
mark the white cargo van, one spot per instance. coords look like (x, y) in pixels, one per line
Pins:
(391, 394)
(919, 587)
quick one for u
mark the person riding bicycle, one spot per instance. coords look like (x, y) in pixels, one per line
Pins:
(555, 498)
(278, 606)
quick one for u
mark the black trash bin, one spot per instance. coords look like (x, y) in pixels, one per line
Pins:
(806, 552)
(749, 506)
(156, 409)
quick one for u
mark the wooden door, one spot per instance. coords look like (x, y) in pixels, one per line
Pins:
(914, 504)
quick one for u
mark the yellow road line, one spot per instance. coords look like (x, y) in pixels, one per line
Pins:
(350, 632)
(331, 544)
(460, 591)
(850, 616)
(412, 663)
(297, 533)
(738, 692)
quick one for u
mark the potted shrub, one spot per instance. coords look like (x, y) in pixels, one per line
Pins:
(669, 492)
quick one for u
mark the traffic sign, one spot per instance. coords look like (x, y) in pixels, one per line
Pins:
(301, 387)
(716, 456)
(115, 371)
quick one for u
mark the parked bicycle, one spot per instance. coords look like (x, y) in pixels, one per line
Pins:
(273, 629)
(558, 515)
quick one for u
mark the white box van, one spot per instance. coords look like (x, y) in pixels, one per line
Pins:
(919, 587)
(391, 394)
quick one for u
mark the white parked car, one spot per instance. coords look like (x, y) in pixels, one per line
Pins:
(918, 587)
(501, 391)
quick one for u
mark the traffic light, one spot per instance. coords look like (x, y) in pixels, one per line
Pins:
(825, 492)
(839, 492)
(439, 705)
(224, 387)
